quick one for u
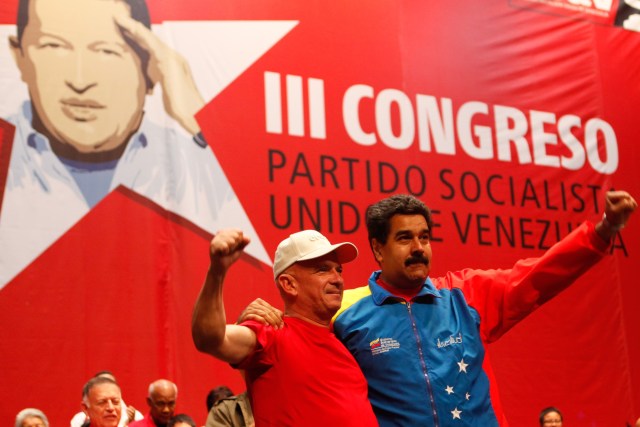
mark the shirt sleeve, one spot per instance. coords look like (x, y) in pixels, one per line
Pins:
(263, 353)
(504, 297)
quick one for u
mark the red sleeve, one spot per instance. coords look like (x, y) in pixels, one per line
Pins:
(262, 354)
(504, 297)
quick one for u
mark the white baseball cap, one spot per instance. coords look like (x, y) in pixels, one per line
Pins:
(309, 244)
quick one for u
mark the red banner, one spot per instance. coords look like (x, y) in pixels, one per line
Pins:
(509, 118)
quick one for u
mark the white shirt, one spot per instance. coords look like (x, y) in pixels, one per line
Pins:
(42, 200)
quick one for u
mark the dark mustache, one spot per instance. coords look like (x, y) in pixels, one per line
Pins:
(416, 259)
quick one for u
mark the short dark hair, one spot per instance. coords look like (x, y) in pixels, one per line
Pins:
(181, 418)
(378, 215)
(94, 382)
(548, 410)
(216, 394)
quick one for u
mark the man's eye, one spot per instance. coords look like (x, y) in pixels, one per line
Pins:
(50, 45)
(109, 52)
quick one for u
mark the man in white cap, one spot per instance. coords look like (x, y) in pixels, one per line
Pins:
(299, 374)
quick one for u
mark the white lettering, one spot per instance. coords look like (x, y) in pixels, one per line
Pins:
(466, 113)
(482, 132)
(603, 4)
(592, 129)
(384, 101)
(351, 114)
(541, 138)
(566, 124)
(430, 121)
(515, 134)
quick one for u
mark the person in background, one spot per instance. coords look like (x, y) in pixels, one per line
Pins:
(101, 398)
(216, 394)
(161, 399)
(128, 413)
(232, 411)
(181, 420)
(31, 417)
(550, 416)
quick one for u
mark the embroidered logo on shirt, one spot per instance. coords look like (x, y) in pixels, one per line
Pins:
(383, 345)
(452, 340)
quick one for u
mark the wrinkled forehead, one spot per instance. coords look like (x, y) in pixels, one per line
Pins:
(32, 419)
(105, 391)
(163, 393)
(330, 259)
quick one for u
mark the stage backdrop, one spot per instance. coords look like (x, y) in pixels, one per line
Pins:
(509, 118)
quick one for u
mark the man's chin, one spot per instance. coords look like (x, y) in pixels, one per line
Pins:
(418, 272)
(110, 421)
(333, 301)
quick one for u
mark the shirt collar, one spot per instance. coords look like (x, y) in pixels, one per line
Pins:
(380, 295)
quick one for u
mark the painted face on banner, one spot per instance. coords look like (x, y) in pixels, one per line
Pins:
(85, 81)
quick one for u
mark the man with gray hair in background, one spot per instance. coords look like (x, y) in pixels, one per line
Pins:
(101, 402)
(31, 417)
(162, 404)
(128, 413)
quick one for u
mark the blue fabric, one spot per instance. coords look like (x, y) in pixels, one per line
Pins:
(93, 179)
(422, 359)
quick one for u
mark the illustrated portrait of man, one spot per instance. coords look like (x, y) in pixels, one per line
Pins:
(89, 67)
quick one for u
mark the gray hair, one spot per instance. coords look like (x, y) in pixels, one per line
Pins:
(94, 382)
(31, 412)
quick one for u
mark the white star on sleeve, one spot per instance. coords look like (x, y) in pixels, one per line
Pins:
(449, 389)
(467, 396)
(463, 366)
(456, 413)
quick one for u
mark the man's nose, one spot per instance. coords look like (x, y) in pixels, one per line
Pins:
(337, 276)
(416, 245)
(80, 76)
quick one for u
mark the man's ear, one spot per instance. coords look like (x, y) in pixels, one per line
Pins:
(84, 407)
(376, 247)
(149, 402)
(288, 284)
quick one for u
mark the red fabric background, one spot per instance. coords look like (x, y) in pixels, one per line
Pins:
(116, 292)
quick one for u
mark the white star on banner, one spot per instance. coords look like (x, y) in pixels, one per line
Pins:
(467, 396)
(218, 52)
(463, 366)
(449, 389)
(456, 413)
